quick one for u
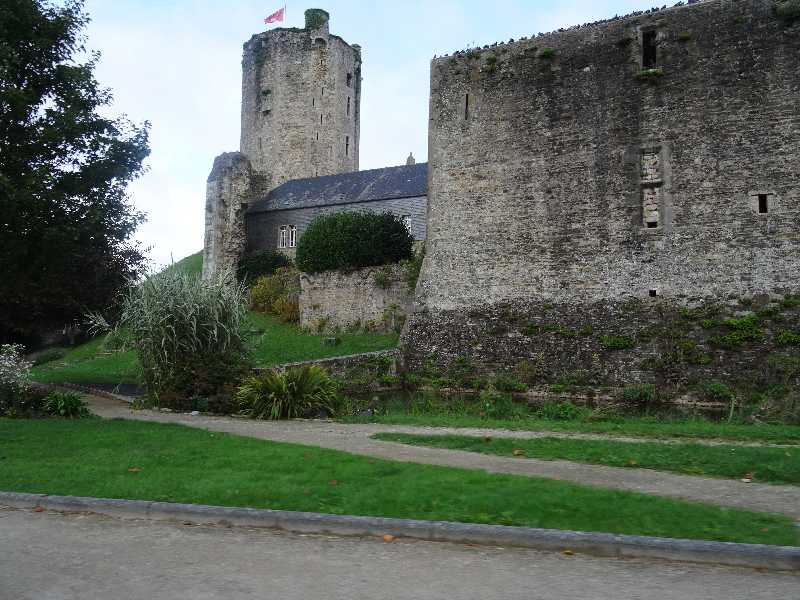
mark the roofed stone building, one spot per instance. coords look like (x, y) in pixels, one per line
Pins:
(276, 221)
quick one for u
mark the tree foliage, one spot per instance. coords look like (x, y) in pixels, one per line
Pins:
(65, 219)
(353, 240)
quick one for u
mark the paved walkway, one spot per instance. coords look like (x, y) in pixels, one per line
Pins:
(355, 439)
(88, 557)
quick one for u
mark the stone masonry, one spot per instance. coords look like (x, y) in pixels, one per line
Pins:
(648, 161)
(301, 97)
(374, 298)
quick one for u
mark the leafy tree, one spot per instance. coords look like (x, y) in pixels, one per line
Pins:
(65, 220)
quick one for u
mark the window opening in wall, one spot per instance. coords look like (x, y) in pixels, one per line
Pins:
(260, 143)
(347, 145)
(466, 106)
(763, 204)
(649, 50)
(287, 237)
(313, 102)
(283, 236)
(322, 93)
(406, 221)
(318, 136)
(652, 225)
(348, 106)
(320, 119)
(653, 293)
(349, 80)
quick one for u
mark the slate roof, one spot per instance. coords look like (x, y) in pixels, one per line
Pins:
(407, 181)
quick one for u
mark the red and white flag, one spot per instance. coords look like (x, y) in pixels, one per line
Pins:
(276, 17)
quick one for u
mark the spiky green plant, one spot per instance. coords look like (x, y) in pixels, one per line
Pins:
(188, 332)
(293, 393)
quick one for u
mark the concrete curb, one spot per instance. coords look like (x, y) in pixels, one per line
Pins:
(781, 558)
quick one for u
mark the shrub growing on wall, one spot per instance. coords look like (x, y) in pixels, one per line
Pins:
(188, 334)
(350, 241)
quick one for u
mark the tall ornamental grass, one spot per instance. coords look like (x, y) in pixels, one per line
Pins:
(188, 333)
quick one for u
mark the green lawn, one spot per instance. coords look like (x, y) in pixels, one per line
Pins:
(650, 427)
(150, 461)
(775, 465)
(271, 342)
(191, 265)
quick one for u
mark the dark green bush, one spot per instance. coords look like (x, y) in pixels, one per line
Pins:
(641, 394)
(353, 240)
(301, 392)
(260, 264)
(715, 391)
(788, 10)
(68, 405)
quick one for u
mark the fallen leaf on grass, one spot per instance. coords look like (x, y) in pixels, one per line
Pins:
(632, 463)
(134, 470)
(518, 452)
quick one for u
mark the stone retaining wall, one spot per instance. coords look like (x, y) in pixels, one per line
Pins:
(372, 298)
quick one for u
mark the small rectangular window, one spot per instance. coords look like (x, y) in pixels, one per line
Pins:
(320, 119)
(283, 237)
(313, 102)
(763, 204)
(347, 145)
(649, 49)
(292, 236)
(466, 107)
(349, 80)
(348, 106)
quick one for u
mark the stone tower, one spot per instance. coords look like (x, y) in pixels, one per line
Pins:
(301, 105)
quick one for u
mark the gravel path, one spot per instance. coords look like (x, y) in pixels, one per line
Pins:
(355, 439)
(87, 557)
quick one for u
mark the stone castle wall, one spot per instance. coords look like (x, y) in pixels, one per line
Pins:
(605, 182)
(228, 191)
(374, 297)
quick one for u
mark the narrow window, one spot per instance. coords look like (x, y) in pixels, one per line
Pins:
(348, 106)
(320, 119)
(292, 236)
(653, 293)
(323, 92)
(318, 136)
(652, 224)
(649, 50)
(313, 102)
(347, 145)
(283, 237)
(466, 107)
(763, 204)
(349, 80)
(260, 143)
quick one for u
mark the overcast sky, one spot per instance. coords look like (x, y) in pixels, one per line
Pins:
(176, 63)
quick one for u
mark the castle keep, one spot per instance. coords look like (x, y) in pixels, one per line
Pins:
(298, 158)
(586, 185)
